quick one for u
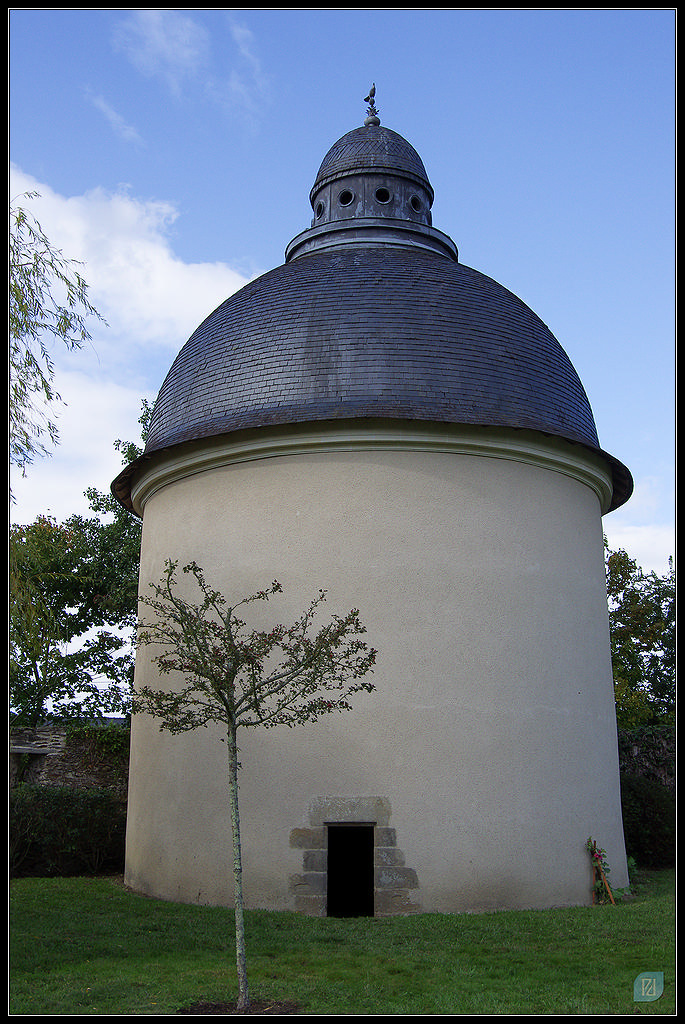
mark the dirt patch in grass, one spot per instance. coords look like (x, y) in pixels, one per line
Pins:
(256, 1006)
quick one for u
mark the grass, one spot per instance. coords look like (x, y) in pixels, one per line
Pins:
(88, 946)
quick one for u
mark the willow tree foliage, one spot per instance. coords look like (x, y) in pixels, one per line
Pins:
(241, 677)
(48, 302)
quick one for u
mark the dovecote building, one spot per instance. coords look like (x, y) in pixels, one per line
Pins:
(377, 418)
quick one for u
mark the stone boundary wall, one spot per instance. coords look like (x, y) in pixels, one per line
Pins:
(43, 757)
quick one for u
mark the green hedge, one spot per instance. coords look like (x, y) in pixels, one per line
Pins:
(59, 830)
(648, 822)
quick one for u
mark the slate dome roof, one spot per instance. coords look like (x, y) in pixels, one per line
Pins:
(371, 316)
(371, 147)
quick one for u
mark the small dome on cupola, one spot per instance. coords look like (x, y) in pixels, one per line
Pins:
(371, 188)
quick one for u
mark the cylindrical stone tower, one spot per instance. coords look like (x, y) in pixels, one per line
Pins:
(376, 419)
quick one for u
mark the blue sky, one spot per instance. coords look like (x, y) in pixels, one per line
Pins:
(174, 151)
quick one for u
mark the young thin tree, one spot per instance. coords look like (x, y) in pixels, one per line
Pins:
(242, 677)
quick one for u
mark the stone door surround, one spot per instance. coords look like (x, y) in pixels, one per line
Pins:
(394, 883)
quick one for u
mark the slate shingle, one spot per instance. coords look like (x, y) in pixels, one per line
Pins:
(359, 324)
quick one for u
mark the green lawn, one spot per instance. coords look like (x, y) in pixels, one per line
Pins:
(88, 946)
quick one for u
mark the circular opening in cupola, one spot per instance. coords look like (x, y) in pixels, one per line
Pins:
(415, 204)
(346, 197)
(319, 210)
(383, 195)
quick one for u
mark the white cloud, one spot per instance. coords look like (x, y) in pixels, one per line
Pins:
(152, 301)
(124, 130)
(147, 295)
(174, 48)
(96, 413)
(163, 44)
(245, 89)
(250, 66)
(649, 545)
(639, 527)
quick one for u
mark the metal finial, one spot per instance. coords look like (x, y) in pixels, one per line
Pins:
(372, 113)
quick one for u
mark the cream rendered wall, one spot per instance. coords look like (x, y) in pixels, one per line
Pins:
(491, 733)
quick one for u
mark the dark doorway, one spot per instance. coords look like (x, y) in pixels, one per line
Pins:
(350, 870)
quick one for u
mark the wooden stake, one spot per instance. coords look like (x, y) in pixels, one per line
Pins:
(597, 871)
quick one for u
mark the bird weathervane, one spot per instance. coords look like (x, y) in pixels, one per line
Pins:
(372, 114)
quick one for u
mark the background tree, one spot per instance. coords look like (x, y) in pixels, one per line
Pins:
(115, 540)
(73, 609)
(642, 624)
(48, 302)
(68, 654)
(236, 676)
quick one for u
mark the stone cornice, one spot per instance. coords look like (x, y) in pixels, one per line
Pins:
(372, 231)
(544, 451)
